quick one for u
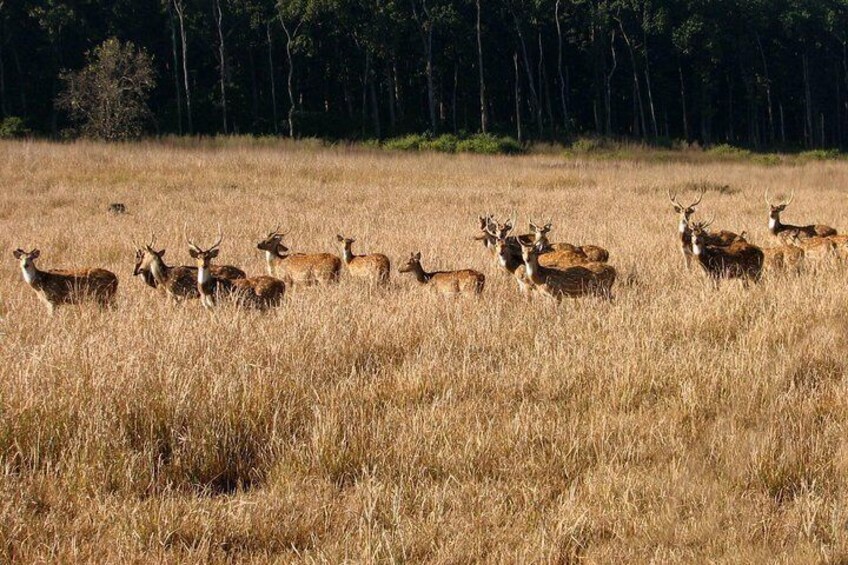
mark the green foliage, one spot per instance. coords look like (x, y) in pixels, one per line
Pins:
(819, 155)
(488, 144)
(12, 127)
(108, 98)
(484, 144)
(727, 150)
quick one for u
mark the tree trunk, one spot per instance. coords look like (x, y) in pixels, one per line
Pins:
(222, 60)
(534, 97)
(453, 95)
(484, 118)
(375, 109)
(608, 87)
(390, 87)
(365, 74)
(176, 60)
(768, 91)
(562, 86)
(683, 103)
(809, 134)
(782, 125)
(254, 89)
(431, 91)
(21, 81)
(654, 127)
(519, 133)
(543, 84)
(272, 74)
(179, 7)
(4, 103)
(291, 35)
(639, 110)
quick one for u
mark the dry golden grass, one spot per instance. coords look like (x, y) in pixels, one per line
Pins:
(675, 424)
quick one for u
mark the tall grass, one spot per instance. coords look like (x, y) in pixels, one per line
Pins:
(676, 424)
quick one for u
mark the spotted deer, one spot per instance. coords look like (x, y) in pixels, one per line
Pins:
(178, 282)
(739, 260)
(465, 282)
(685, 213)
(487, 226)
(588, 279)
(260, 293)
(57, 287)
(593, 253)
(786, 232)
(298, 268)
(783, 259)
(374, 267)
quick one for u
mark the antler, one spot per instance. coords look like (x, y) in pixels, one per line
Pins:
(673, 198)
(791, 198)
(700, 197)
(192, 245)
(220, 238)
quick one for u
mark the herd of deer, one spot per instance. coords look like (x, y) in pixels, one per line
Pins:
(555, 270)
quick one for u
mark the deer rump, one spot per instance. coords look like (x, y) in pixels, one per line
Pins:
(733, 261)
(581, 280)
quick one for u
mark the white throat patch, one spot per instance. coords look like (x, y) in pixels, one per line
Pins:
(772, 223)
(28, 273)
(696, 249)
(203, 275)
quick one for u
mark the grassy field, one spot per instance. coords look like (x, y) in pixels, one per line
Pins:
(675, 424)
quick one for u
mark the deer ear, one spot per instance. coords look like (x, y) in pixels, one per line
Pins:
(35, 254)
(193, 253)
(417, 256)
(18, 253)
(161, 253)
(212, 254)
(339, 238)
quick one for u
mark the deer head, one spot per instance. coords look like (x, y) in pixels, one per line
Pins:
(412, 264)
(273, 243)
(776, 209)
(684, 211)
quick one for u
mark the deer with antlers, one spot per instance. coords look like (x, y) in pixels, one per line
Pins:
(685, 213)
(374, 267)
(588, 279)
(179, 282)
(788, 232)
(260, 293)
(57, 287)
(593, 253)
(740, 259)
(298, 268)
(464, 282)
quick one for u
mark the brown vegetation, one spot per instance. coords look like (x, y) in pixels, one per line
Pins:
(676, 424)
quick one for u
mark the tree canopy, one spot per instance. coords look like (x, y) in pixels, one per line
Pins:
(759, 73)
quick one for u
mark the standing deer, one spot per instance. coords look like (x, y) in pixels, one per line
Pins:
(178, 282)
(487, 226)
(720, 238)
(739, 260)
(786, 232)
(56, 287)
(467, 281)
(578, 280)
(298, 268)
(375, 267)
(259, 293)
(783, 258)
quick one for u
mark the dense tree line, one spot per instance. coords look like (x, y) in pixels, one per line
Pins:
(749, 72)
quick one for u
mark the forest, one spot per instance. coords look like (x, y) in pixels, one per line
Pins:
(754, 73)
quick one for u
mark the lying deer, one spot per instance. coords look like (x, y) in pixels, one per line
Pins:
(467, 281)
(56, 287)
(259, 293)
(739, 260)
(685, 213)
(374, 267)
(574, 281)
(786, 232)
(298, 268)
(593, 253)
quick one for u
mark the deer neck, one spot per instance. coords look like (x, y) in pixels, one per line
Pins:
(30, 274)
(159, 270)
(347, 254)
(421, 275)
(531, 265)
(204, 280)
(697, 249)
(774, 224)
